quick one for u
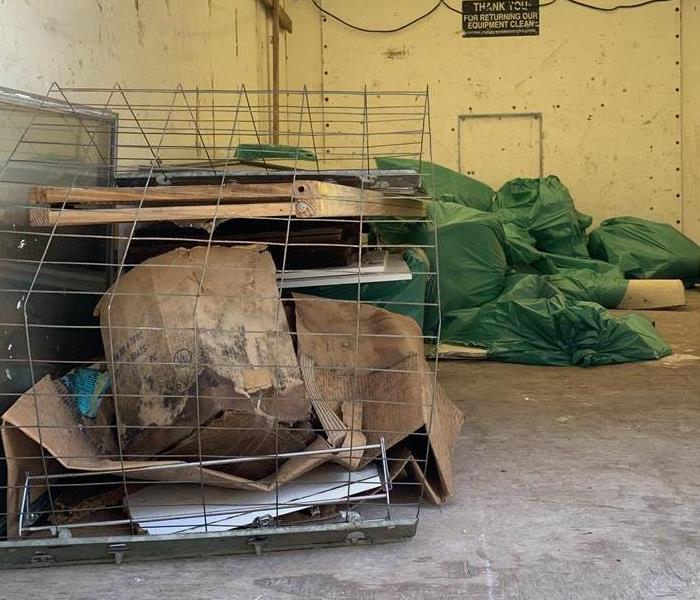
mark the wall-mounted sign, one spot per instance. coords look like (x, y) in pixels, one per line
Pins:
(509, 17)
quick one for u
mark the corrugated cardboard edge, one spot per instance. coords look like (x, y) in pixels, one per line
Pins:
(387, 341)
(22, 438)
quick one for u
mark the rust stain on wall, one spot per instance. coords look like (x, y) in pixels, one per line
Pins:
(396, 53)
(140, 29)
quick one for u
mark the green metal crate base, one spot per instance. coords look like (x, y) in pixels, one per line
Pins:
(121, 549)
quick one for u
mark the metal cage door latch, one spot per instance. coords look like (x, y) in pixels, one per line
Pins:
(258, 542)
(42, 558)
(355, 537)
(118, 551)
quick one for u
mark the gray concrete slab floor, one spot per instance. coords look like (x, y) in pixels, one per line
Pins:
(571, 483)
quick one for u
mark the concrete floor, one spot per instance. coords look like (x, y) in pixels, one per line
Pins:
(572, 483)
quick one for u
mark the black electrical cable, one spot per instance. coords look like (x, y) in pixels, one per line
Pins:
(452, 8)
(619, 6)
(392, 30)
(459, 12)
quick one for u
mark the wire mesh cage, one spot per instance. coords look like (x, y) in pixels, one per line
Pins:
(213, 340)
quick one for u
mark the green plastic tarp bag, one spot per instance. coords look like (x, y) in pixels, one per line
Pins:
(543, 208)
(583, 279)
(263, 152)
(443, 184)
(471, 255)
(533, 323)
(646, 250)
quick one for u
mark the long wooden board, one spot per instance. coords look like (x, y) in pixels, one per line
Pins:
(44, 217)
(234, 191)
(313, 208)
(304, 198)
(166, 193)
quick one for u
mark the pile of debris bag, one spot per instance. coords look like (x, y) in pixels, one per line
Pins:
(201, 365)
(521, 279)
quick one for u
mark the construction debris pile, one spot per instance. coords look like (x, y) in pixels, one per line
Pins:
(264, 340)
(225, 397)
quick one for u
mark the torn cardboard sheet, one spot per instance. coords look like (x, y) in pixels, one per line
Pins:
(169, 508)
(402, 464)
(334, 427)
(70, 446)
(184, 340)
(243, 432)
(393, 388)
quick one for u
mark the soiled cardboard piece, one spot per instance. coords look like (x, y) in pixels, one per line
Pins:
(402, 461)
(398, 393)
(190, 331)
(243, 432)
(69, 446)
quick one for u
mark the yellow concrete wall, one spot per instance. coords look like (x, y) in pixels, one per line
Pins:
(151, 43)
(607, 85)
(691, 117)
(209, 44)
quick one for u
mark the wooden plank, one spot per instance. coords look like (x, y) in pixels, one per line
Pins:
(653, 293)
(325, 199)
(181, 193)
(307, 189)
(311, 199)
(275, 71)
(326, 207)
(454, 352)
(284, 20)
(43, 217)
(302, 189)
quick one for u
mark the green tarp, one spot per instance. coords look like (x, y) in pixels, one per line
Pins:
(263, 152)
(583, 279)
(471, 251)
(516, 276)
(444, 184)
(542, 210)
(646, 250)
(533, 323)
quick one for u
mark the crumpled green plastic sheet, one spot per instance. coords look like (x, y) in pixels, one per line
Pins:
(471, 255)
(533, 323)
(515, 274)
(543, 210)
(644, 249)
(263, 152)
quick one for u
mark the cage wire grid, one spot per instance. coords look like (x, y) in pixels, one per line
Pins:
(63, 259)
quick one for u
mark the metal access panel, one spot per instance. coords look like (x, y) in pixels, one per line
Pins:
(495, 148)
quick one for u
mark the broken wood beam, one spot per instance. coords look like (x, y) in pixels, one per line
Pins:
(309, 209)
(303, 198)
(45, 217)
(167, 193)
(284, 20)
(234, 191)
